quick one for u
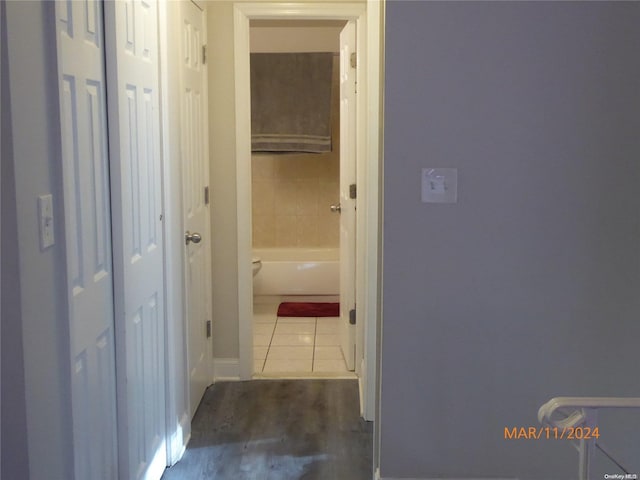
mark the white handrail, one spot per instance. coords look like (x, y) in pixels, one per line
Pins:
(548, 409)
(585, 412)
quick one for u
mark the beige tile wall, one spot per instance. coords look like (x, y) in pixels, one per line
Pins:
(292, 193)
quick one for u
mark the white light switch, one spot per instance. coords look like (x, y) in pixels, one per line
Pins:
(439, 185)
(45, 209)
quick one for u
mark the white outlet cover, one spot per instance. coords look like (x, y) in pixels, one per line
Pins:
(439, 185)
(45, 207)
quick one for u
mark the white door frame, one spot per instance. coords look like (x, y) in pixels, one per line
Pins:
(368, 164)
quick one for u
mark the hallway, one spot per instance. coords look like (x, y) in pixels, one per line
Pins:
(278, 430)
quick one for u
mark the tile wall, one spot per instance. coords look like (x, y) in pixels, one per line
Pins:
(292, 193)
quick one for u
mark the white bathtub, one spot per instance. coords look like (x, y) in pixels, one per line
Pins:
(297, 271)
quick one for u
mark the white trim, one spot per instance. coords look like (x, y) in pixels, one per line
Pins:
(378, 477)
(226, 369)
(370, 277)
(243, 186)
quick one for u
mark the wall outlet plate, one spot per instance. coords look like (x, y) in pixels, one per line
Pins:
(439, 185)
(45, 211)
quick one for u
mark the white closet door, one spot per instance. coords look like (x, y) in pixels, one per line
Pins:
(81, 77)
(131, 31)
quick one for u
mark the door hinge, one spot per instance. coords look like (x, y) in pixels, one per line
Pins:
(354, 60)
(208, 328)
(352, 316)
(204, 54)
(206, 195)
(353, 191)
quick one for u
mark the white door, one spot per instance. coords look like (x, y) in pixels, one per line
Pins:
(83, 120)
(195, 181)
(347, 204)
(131, 32)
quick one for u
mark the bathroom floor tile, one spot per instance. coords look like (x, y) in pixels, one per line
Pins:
(287, 366)
(327, 353)
(265, 308)
(265, 313)
(297, 320)
(290, 353)
(258, 365)
(330, 366)
(260, 352)
(327, 340)
(295, 328)
(261, 340)
(328, 326)
(263, 329)
(296, 345)
(293, 340)
(260, 319)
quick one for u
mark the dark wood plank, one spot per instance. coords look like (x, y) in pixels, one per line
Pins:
(278, 430)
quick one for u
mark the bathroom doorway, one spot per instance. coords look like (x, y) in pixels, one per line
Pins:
(367, 140)
(296, 215)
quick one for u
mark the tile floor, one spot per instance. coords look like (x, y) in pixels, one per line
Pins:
(296, 346)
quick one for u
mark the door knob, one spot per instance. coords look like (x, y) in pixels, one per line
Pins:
(192, 237)
(336, 208)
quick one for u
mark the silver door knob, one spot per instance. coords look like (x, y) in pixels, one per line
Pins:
(336, 208)
(192, 237)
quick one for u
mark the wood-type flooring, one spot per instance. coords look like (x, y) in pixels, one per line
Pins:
(278, 430)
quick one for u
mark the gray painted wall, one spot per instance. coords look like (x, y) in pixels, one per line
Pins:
(14, 458)
(222, 156)
(42, 300)
(529, 286)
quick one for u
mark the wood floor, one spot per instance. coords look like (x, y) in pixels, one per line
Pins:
(278, 430)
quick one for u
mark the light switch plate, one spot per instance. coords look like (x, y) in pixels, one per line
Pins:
(439, 185)
(45, 211)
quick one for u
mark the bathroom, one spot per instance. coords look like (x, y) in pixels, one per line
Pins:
(296, 233)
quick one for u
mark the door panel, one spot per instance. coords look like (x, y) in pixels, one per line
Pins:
(348, 205)
(80, 49)
(195, 178)
(132, 66)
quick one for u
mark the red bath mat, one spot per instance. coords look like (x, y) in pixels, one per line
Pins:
(309, 309)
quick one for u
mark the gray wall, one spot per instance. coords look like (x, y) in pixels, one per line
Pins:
(42, 294)
(222, 155)
(529, 286)
(14, 458)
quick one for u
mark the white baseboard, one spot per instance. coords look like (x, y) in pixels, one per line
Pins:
(378, 477)
(440, 478)
(226, 369)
